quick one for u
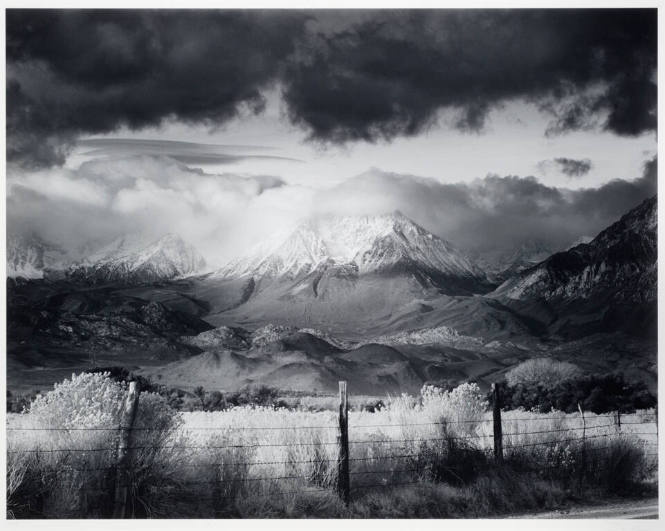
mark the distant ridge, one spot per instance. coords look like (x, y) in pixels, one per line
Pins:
(129, 260)
(620, 262)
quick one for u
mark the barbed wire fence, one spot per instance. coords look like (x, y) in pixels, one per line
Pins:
(347, 479)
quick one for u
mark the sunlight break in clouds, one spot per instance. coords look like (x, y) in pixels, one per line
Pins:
(225, 214)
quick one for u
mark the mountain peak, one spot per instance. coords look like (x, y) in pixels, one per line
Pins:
(367, 244)
(398, 215)
(135, 258)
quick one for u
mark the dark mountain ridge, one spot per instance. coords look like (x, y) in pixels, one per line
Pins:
(619, 263)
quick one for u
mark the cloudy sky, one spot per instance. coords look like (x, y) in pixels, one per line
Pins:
(488, 127)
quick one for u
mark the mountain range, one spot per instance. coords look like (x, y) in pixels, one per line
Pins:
(377, 300)
(131, 259)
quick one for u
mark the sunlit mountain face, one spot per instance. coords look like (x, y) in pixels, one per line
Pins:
(366, 244)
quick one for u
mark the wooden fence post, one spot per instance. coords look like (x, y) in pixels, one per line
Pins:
(127, 418)
(343, 481)
(217, 492)
(498, 433)
(656, 417)
(583, 460)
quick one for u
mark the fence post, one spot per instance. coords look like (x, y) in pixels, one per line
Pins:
(217, 491)
(617, 421)
(127, 417)
(583, 460)
(343, 482)
(656, 416)
(498, 433)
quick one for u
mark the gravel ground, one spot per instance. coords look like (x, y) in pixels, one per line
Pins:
(632, 509)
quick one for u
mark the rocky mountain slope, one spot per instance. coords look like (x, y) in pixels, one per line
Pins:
(619, 263)
(358, 272)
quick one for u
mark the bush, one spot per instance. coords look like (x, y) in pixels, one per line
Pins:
(542, 371)
(619, 468)
(464, 403)
(599, 394)
(253, 396)
(121, 374)
(75, 425)
(88, 400)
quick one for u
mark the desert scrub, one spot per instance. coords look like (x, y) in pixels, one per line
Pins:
(62, 452)
(297, 446)
(268, 461)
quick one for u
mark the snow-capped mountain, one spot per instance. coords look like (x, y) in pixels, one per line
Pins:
(130, 259)
(358, 246)
(621, 262)
(29, 256)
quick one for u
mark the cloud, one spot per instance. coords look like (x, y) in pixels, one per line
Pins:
(390, 75)
(106, 198)
(185, 152)
(344, 76)
(496, 213)
(81, 72)
(570, 167)
(225, 214)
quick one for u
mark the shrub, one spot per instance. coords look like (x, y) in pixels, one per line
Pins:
(76, 423)
(464, 403)
(451, 460)
(253, 396)
(542, 371)
(215, 401)
(122, 374)
(91, 400)
(618, 468)
(599, 394)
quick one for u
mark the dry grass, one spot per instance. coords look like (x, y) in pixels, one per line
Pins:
(406, 461)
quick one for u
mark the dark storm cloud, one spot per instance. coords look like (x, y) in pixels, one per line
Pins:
(72, 73)
(573, 167)
(345, 76)
(185, 152)
(390, 75)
